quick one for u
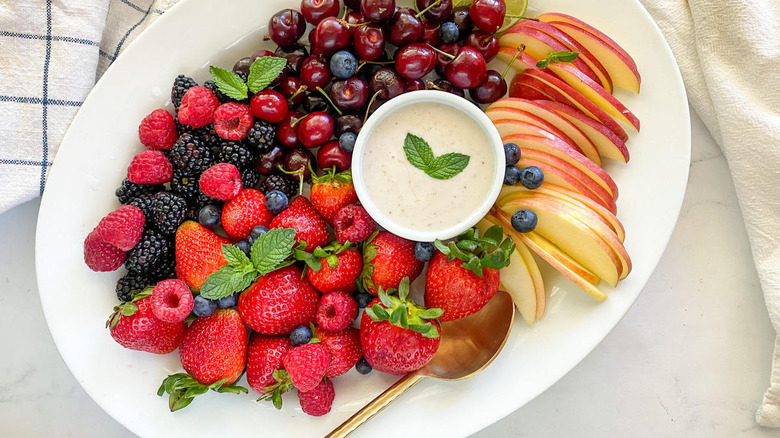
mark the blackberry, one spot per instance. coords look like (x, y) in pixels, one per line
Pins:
(250, 177)
(132, 283)
(279, 182)
(168, 211)
(234, 153)
(185, 185)
(152, 253)
(144, 203)
(180, 86)
(191, 155)
(261, 136)
(129, 191)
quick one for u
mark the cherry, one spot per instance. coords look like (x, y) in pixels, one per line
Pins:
(269, 105)
(287, 131)
(348, 123)
(315, 129)
(442, 60)
(485, 43)
(462, 20)
(415, 85)
(389, 82)
(355, 20)
(316, 102)
(369, 42)
(352, 4)
(299, 161)
(242, 65)
(444, 85)
(415, 60)
(405, 28)
(488, 15)
(290, 88)
(267, 161)
(377, 11)
(317, 10)
(332, 35)
(468, 69)
(331, 154)
(286, 27)
(315, 72)
(490, 90)
(295, 56)
(349, 94)
(438, 13)
(431, 34)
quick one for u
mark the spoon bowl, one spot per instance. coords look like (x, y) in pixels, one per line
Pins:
(468, 345)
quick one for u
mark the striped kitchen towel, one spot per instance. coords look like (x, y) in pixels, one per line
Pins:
(51, 54)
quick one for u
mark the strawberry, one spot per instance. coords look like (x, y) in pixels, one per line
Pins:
(214, 347)
(309, 226)
(334, 268)
(407, 343)
(264, 356)
(319, 400)
(387, 259)
(344, 347)
(332, 191)
(306, 365)
(463, 277)
(198, 253)
(134, 326)
(244, 212)
(278, 302)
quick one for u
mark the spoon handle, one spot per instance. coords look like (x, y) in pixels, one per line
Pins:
(374, 406)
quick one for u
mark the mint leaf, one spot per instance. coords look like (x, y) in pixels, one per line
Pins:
(418, 152)
(448, 165)
(219, 284)
(228, 82)
(560, 56)
(263, 71)
(272, 248)
(234, 256)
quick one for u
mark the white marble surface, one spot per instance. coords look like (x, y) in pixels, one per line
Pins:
(690, 359)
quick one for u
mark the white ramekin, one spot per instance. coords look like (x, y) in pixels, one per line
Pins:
(397, 103)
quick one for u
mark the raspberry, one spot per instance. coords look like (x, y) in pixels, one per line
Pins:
(168, 211)
(319, 400)
(233, 120)
(122, 227)
(306, 365)
(101, 256)
(149, 167)
(336, 311)
(180, 86)
(158, 130)
(221, 181)
(172, 301)
(353, 223)
(197, 107)
(129, 191)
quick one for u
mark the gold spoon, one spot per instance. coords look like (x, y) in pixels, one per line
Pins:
(468, 345)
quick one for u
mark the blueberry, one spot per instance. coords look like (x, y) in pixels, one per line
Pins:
(228, 301)
(423, 251)
(343, 64)
(524, 220)
(244, 246)
(347, 141)
(363, 367)
(448, 32)
(531, 177)
(512, 175)
(209, 216)
(300, 335)
(276, 201)
(512, 153)
(203, 306)
(363, 299)
(256, 232)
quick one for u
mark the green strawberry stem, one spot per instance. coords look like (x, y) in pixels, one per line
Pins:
(331, 174)
(314, 259)
(275, 391)
(129, 308)
(400, 311)
(487, 251)
(183, 388)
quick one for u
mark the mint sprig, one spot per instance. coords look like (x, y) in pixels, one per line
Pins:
(560, 56)
(420, 155)
(487, 251)
(228, 82)
(269, 253)
(263, 71)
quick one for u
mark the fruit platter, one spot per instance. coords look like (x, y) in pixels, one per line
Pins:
(264, 214)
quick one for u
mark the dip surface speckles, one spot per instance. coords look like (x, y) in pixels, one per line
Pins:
(405, 193)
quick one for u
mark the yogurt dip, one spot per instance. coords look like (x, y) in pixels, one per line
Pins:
(405, 196)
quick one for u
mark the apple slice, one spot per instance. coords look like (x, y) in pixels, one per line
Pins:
(559, 260)
(580, 138)
(521, 117)
(573, 46)
(618, 63)
(559, 91)
(608, 144)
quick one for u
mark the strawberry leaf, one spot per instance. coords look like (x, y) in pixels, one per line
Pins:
(377, 313)
(432, 313)
(272, 248)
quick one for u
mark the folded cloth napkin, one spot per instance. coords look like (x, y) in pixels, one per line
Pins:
(729, 55)
(51, 54)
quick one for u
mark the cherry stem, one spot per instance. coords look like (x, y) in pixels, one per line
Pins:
(344, 15)
(298, 173)
(520, 48)
(362, 63)
(433, 86)
(511, 25)
(292, 125)
(442, 52)
(331, 102)
(371, 102)
(432, 5)
(300, 90)
(365, 23)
